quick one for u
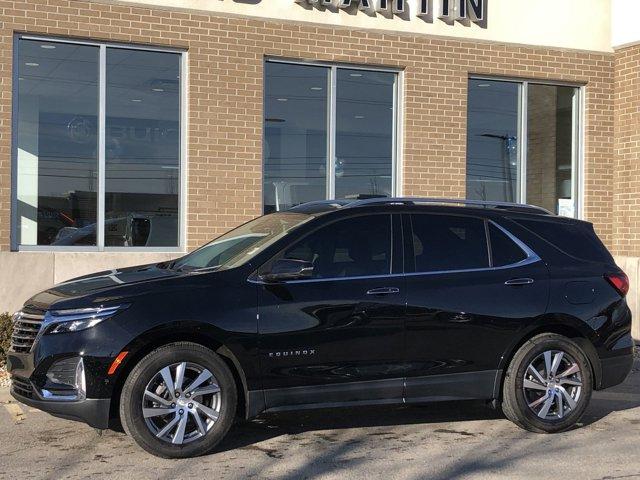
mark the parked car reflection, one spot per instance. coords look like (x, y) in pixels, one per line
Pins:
(133, 230)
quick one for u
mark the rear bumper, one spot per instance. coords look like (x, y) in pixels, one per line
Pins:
(92, 411)
(615, 370)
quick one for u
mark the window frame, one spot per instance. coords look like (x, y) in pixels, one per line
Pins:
(409, 253)
(577, 160)
(101, 176)
(397, 130)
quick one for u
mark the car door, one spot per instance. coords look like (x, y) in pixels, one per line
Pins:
(335, 336)
(471, 286)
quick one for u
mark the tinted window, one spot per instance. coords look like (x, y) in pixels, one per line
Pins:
(504, 250)
(575, 238)
(349, 248)
(442, 242)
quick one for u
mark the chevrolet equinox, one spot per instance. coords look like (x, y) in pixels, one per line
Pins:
(334, 303)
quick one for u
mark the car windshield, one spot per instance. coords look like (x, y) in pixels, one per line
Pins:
(241, 244)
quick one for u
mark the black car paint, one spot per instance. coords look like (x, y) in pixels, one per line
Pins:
(442, 336)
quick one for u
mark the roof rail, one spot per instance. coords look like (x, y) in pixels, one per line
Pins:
(521, 207)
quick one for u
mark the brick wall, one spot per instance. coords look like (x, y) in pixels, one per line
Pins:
(225, 103)
(626, 228)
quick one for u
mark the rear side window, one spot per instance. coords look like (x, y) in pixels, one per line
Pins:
(447, 242)
(577, 239)
(504, 251)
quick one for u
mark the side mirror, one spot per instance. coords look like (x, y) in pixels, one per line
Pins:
(288, 269)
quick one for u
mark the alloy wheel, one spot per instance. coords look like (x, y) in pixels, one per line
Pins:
(552, 385)
(181, 403)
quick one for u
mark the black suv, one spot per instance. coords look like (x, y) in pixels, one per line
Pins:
(335, 303)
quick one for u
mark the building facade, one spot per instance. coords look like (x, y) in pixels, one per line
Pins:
(131, 132)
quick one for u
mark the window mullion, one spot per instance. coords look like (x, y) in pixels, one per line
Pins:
(523, 142)
(102, 103)
(331, 154)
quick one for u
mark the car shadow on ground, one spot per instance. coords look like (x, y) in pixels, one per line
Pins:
(269, 426)
(244, 434)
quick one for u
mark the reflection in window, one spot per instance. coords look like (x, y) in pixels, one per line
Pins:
(492, 141)
(364, 133)
(547, 155)
(550, 130)
(295, 135)
(142, 148)
(300, 134)
(58, 156)
(56, 140)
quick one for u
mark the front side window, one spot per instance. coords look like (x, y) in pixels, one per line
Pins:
(97, 146)
(444, 243)
(353, 247)
(522, 144)
(329, 132)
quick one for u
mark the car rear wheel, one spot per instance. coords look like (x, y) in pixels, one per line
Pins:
(179, 401)
(548, 384)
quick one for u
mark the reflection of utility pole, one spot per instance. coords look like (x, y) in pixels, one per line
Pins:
(507, 145)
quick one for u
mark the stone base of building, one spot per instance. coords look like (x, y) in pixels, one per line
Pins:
(24, 274)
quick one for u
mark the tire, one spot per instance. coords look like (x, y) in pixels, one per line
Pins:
(147, 384)
(521, 387)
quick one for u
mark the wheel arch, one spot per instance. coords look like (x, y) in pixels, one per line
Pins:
(564, 325)
(151, 340)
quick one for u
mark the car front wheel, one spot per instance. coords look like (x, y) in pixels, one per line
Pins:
(548, 384)
(179, 401)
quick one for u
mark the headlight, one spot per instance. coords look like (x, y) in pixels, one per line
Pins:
(64, 321)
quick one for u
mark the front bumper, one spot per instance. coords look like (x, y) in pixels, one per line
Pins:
(93, 411)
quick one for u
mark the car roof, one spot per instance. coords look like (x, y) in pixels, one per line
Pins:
(326, 206)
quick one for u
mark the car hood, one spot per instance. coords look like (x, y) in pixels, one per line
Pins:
(99, 282)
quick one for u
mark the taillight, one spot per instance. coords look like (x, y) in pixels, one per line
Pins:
(619, 281)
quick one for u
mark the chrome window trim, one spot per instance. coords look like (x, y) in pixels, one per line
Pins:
(532, 258)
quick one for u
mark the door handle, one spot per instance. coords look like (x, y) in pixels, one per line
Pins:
(519, 281)
(383, 291)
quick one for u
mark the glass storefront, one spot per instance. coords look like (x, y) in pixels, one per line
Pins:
(98, 141)
(522, 144)
(329, 132)
(56, 140)
(90, 176)
(142, 148)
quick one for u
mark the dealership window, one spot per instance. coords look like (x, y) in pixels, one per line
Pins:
(523, 143)
(329, 132)
(97, 146)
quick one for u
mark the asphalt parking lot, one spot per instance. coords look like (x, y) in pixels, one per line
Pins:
(437, 441)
